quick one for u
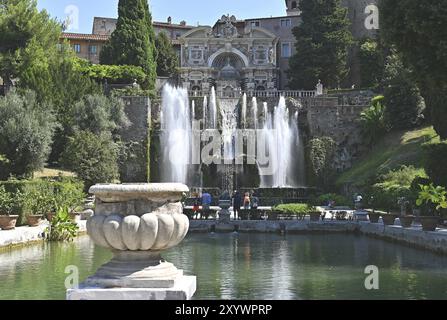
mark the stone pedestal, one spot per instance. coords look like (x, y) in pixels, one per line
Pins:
(224, 213)
(137, 222)
(184, 289)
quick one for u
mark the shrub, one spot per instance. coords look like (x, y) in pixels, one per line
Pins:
(56, 193)
(298, 209)
(92, 157)
(339, 200)
(434, 197)
(321, 153)
(373, 121)
(114, 74)
(26, 131)
(6, 202)
(394, 185)
(62, 228)
(435, 166)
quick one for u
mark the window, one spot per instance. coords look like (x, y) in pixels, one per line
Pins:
(77, 48)
(286, 23)
(255, 24)
(93, 49)
(294, 5)
(286, 50)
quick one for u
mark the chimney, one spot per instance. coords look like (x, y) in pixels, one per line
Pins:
(169, 20)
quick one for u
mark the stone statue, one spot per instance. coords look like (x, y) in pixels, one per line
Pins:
(319, 88)
(271, 55)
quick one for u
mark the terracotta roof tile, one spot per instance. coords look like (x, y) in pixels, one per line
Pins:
(83, 36)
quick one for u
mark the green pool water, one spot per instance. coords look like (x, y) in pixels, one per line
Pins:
(248, 266)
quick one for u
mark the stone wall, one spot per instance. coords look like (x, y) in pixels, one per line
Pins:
(134, 167)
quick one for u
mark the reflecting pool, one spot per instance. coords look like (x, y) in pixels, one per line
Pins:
(247, 266)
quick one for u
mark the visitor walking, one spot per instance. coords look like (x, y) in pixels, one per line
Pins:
(237, 202)
(196, 206)
(206, 201)
(254, 201)
(247, 201)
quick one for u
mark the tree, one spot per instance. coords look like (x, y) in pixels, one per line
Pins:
(404, 104)
(371, 63)
(323, 41)
(92, 157)
(26, 37)
(26, 131)
(98, 114)
(417, 29)
(167, 60)
(133, 41)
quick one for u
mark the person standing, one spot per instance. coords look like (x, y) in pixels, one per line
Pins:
(247, 201)
(237, 202)
(206, 201)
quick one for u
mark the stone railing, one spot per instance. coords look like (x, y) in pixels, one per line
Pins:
(257, 94)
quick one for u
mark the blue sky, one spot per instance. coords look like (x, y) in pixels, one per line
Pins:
(205, 12)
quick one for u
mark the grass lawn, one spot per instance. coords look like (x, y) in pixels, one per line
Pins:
(396, 149)
(50, 173)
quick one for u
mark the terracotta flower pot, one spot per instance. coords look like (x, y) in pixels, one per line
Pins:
(50, 216)
(429, 223)
(315, 216)
(73, 215)
(374, 217)
(389, 219)
(34, 220)
(8, 222)
(406, 221)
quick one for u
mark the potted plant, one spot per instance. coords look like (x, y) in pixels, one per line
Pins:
(389, 218)
(37, 203)
(7, 220)
(406, 218)
(434, 199)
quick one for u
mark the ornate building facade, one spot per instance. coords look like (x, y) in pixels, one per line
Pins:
(229, 56)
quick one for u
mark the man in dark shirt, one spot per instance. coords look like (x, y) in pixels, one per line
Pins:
(237, 203)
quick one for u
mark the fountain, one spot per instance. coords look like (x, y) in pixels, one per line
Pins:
(279, 136)
(137, 222)
(176, 135)
(205, 107)
(244, 111)
(213, 109)
(254, 104)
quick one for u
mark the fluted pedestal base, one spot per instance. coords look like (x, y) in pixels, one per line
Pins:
(135, 269)
(184, 289)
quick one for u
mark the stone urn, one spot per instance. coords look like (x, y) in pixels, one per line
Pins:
(224, 213)
(137, 222)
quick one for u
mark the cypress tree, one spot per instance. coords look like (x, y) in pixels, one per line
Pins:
(133, 41)
(323, 41)
(167, 60)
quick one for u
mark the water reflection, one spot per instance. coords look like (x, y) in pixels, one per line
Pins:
(248, 266)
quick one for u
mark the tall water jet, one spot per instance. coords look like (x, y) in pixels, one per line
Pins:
(205, 108)
(278, 137)
(176, 135)
(193, 110)
(244, 111)
(266, 111)
(213, 109)
(254, 104)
